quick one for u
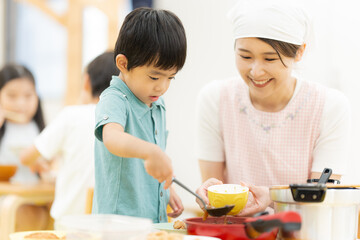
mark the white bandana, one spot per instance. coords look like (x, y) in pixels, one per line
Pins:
(281, 20)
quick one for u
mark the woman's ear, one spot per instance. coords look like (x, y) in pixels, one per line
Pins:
(300, 52)
(121, 62)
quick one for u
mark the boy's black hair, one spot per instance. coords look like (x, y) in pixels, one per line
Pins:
(100, 71)
(150, 36)
(13, 71)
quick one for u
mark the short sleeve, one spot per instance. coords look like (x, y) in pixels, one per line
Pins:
(209, 145)
(51, 139)
(331, 148)
(111, 108)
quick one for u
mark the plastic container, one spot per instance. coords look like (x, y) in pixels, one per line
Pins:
(104, 226)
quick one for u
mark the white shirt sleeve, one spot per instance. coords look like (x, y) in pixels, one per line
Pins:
(50, 140)
(331, 149)
(210, 145)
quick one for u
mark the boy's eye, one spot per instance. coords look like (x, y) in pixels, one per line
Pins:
(153, 78)
(172, 78)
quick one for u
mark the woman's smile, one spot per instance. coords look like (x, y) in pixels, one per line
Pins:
(260, 83)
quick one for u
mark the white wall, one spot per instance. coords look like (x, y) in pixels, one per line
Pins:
(210, 56)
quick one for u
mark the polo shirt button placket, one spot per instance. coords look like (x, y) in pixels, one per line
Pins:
(161, 194)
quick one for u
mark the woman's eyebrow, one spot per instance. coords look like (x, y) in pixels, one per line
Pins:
(270, 53)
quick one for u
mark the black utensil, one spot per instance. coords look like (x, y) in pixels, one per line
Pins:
(212, 211)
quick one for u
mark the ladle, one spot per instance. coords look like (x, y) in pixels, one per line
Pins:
(212, 211)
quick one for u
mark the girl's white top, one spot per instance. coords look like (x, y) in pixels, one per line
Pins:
(18, 137)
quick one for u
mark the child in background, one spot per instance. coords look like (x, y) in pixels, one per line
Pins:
(132, 172)
(21, 118)
(70, 137)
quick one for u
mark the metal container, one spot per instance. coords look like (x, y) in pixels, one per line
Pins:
(334, 218)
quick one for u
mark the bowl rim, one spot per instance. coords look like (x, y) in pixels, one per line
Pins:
(246, 189)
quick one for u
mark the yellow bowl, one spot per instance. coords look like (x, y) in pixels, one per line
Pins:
(228, 194)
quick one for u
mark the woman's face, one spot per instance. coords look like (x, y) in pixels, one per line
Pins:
(18, 100)
(262, 70)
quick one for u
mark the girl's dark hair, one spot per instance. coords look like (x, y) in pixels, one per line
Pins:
(150, 36)
(100, 71)
(10, 72)
(284, 48)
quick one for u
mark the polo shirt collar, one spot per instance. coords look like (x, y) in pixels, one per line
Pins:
(140, 107)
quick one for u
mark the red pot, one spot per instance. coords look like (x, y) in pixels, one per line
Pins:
(238, 228)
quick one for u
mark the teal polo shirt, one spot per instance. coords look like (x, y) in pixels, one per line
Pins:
(122, 185)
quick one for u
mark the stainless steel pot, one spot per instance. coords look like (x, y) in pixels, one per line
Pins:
(334, 218)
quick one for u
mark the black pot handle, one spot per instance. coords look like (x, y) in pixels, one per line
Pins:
(325, 176)
(288, 221)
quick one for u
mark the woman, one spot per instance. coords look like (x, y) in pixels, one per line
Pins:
(268, 127)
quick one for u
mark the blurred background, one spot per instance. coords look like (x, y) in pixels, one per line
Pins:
(55, 39)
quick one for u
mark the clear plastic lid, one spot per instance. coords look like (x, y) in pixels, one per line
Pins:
(107, 226)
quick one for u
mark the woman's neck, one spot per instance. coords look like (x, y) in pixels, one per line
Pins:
(277, 101)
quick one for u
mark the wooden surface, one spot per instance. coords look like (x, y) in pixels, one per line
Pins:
(13, 196)
(329, 186)
(40, 193)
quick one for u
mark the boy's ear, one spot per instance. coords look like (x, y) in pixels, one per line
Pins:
(121, 62)
(87, 82)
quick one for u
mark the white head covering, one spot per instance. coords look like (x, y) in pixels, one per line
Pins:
(281, 20)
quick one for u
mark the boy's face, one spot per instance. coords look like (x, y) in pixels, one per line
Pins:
(148, 83)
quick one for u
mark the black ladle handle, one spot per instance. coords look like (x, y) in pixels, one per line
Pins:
(187, 189)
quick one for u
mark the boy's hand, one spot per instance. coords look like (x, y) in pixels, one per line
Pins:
(158, 165)
(175, 204)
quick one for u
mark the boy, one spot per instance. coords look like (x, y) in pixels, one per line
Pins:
(70, 136)
(132, 172)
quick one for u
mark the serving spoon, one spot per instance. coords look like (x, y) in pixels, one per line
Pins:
(212, 211)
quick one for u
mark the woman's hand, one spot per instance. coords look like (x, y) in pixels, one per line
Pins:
(202, 191)
(175, 204)
(258, 200)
